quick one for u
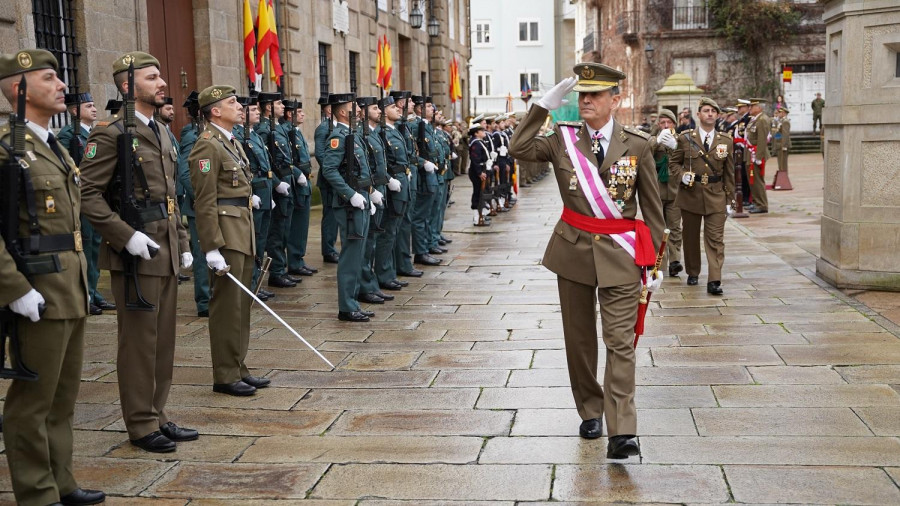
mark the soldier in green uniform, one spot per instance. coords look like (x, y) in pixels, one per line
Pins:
(662, 141)
(757, 137)
(782, 139)
(85, 116)
(427, 191)
(397, 197)
(818, 105)
(220, 174)
(329, 225)
(403, 252)
(48, 306)
(299, 233)
(441, 161)
(703, 163)
(347, 169)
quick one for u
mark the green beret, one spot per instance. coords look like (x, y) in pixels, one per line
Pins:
(594, 77)
(213, 94)
(140, 60)
(669, 114)
(710, 102)
(26, 60)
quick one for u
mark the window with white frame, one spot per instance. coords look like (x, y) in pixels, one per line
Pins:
(483, 80)
(529, 31)
(451, 14)
(532, 78)
(462, 17)
(482, 33)
(695, 66)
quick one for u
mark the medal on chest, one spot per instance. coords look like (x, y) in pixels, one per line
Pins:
(622, 176)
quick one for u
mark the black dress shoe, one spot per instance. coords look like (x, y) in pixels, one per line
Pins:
(622, 447)
(692, 280)
(415, 273)
(183, 277)
(331, 258)
(238, 389)
(591, 429)
(442, 242)
(295, 279)
(256, 381)
(758, 210)
(176, 433)
(437, 251)
(404, 284)
(371, 298)
(155, 442)
(366, 313)
(263, 291)
(448, 241)
(312, 270)
(714, 288)
(204, 313)
(674, 268)
(390, 285)
(384, 295)
(302, 271)
(426, 259)
(107, 306)
(279, 281)
(82, 496)
(95, 310)
(263, 297)
(352, 316)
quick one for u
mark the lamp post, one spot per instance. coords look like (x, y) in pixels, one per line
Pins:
(648, 51)
(416, 17)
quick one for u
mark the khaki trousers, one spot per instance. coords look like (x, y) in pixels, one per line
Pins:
(229, 319)
(673, 223)
(618, 313)
(713, 239)
(782, 159)
(38, 415)
(146, 352)
(758, 188)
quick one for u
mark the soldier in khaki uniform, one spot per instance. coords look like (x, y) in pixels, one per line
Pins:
(704, 165)
(662, 141)
(591, 253)
(38, 415)
(782, 139)
(224, 200)
(146, 338)
(757, 135)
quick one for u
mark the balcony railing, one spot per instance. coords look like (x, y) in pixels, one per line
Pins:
(628, 25)
(690, 18)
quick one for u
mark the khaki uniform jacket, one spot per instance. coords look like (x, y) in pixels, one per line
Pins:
(784, 128)
(575, 254)
(65, 292)
(668, 190)
(757, 133)
(159, 159)
(712, 197)
(220, 170)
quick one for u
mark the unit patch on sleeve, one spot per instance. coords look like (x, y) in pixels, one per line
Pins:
(204, 165)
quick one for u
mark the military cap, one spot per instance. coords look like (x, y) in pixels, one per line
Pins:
(139, 59)
(363, 102)
(730, 109)
(268, 97)
(342, 98)
(26, 61)
(475, 127)
(478, 119)
(501, 117)
(742, 102)
(323, 100)
(113, 105)
(244, 101)
(254, 97)
(289, 105)
(668, 114)
(757, 101)
(167, 101)
(429, 99)
(490, 119)
(386, 101)
(191, 99)
(78, 98)
(785, 110)
(400, 94)
(213, 94)
(596, 77)
(710, 102)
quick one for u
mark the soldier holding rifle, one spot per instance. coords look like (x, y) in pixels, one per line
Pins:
(129, 173)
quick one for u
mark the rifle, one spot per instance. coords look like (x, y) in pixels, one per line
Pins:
(76, 147)
(15, 174)
(133, 212)
(350, 170)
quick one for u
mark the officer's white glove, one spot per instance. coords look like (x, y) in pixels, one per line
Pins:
(493, 155)
(372, 208)
(139, 245)
(255, 201)
(393, 185)
(301, 179)
(665, 138)
(429, 167)
(729, 211)
(358, 201)
(27, 305)
(554, 98)
(187, 260)
(686, 178)
(784, 149)
(283, 188)
(655, 282)
(503, 150)
(376, 197)
(215, 260)
(453, 156)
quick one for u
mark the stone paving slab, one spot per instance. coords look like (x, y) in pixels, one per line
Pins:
(819, 485)
(812, 396)
(363, 399)
(780, 422)
(564, 422)
(632, 483)
(425, 422)
(416, 449)
(882, 420)
(190, 479)
(787, 375)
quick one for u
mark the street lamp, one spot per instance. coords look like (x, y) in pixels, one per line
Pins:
(648, 50)
(416, 17)
(434, 28)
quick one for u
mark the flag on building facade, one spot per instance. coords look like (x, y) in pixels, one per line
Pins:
(379, 65)
(387, 63)
(249, 43)
(267, 41)
(455, 82)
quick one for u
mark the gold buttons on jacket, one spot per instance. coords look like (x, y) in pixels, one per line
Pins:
(596, 237)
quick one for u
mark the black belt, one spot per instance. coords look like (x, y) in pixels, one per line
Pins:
(155, 211)
(304, 165)
(52, 243)
(379, 180)
(710, 178)
(259, 185)
(396, 169)
(236, 201)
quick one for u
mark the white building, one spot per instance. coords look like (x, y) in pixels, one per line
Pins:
(513, 42)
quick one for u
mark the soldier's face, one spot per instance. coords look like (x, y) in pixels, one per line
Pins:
(707, 115)
(230, 111)
(253, 111)
(46, 93)
(167, 113)
(374, 113)
(666, 123)
(479, 134)
(755, 109)
(392, 112)
(742, 110)
(300, 116)
(88, 112)
(597, 106)
(149, 86)
(279, 108)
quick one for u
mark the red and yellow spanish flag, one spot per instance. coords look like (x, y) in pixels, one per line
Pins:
(275, 71)
(249, 42)
(388, 65)
(452, 90)
(267, 41)
(379, 65)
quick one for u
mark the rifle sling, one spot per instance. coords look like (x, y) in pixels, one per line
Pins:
(34, 227)
(137, 167)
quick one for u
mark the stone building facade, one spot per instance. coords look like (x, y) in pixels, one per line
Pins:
(325, 44)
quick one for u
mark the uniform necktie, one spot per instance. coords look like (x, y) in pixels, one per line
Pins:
(597, 148)
(54, 146)
(706, 142)
(153, 126)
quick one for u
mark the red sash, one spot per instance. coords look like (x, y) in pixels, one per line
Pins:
(644, 252)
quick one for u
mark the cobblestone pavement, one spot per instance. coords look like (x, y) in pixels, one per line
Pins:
(785, 390)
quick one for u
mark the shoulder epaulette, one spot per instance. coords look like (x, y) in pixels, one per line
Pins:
(550, 133)
(206, 135)
(726, 134)
(635, 131)
(103, 123)
(570, 123)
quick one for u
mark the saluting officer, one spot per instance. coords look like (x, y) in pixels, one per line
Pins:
(663, 143)
(220, 174)
(146, 338)
(704, 165)
(38, 415)
(757, 137)
(598, 249)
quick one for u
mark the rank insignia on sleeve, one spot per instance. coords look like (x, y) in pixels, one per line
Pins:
(335, 143)
(90, 150)
(204, 165)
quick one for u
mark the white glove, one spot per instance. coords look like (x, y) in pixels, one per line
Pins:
(655, 282)
(27, 305)
(358, 201)
(376, 197)
(493, 155)
(283, 188)
(453, 156)
(686, 178)
(301, 179)
(729, 211)
(665, 138)
(187, 260)
(372, 208)
(255, 201)
(393, 185)
(554, 98)
(139, 245)
(429, 167)
(273, 204)
(215, 260)
(503, 150)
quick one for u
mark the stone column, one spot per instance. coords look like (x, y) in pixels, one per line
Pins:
(861, 212)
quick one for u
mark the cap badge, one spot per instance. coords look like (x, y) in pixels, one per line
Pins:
(216, 93)
(587, 73)
(24, 60)
(127, 59)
